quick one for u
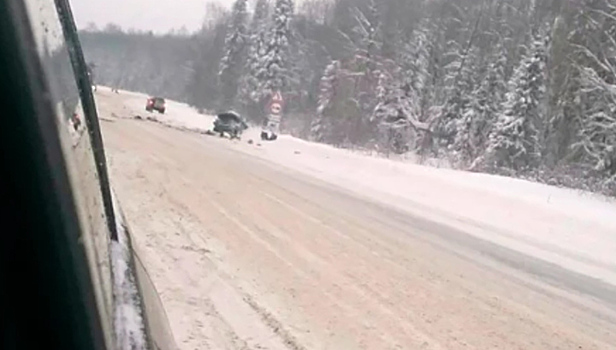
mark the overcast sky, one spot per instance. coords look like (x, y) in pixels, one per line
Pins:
(156, 15)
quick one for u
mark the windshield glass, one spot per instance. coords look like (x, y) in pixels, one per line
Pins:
(364, 174)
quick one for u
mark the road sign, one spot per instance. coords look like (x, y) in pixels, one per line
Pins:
(277, 97)
(276, 103)
(271, 129)
(275, 108)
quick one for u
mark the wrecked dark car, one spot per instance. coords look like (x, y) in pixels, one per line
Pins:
(230, 123)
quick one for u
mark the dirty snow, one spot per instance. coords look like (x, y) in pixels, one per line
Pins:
(127, 318)
(573, 229)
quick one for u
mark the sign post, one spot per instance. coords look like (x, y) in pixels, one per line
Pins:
(272, 126)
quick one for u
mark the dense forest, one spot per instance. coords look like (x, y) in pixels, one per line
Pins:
(515, 87)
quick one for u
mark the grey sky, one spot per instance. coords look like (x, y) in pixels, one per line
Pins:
(156, 15)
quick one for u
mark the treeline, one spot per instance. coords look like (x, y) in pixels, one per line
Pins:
(518, 87)
(140, 61)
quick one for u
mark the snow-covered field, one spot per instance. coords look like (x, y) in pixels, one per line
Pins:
(569, 228)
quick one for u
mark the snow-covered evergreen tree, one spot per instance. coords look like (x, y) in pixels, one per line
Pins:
(598, 124)
(252, 83)
(231, 64)
(366, 67)
(514, 142)
(482, 110)
(395, 114)
(368, 31)
(326, 96)
(414, 59)
(460, 81)
(277, 60)
(414, 62)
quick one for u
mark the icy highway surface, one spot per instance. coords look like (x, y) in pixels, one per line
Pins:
(294, 245)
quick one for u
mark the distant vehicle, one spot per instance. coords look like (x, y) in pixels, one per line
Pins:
(230, 123)
(156, 104)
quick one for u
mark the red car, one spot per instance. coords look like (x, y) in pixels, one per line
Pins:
(157, 104)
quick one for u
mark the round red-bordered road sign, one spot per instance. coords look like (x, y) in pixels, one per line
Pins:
(275, 108)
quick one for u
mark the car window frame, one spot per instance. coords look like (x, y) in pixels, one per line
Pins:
(66, 313)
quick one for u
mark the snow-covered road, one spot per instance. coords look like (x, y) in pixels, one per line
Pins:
(293, 245)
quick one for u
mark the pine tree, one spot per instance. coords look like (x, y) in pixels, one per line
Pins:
(326, 99)
(484, 105)
(252, 83)
(277, 60)
(452, 125)
(395, 114)
(514, 142)
(598, 125)
(595, 100)
(231, 64)
(366, 67)
(368, 31)
(414, 61)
